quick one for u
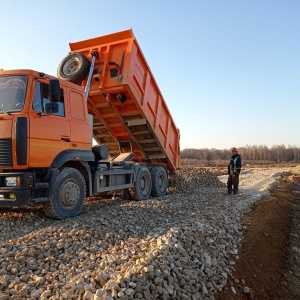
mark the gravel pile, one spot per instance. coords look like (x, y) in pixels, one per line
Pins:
(181, 246)
(192, 179)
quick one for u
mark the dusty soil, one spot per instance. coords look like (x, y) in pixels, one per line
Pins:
(269, 256)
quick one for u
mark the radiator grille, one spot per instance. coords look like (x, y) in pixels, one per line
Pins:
(5, 153)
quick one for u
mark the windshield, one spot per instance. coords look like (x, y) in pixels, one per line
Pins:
(12, 93)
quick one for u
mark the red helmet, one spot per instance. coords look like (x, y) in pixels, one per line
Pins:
(234, 149)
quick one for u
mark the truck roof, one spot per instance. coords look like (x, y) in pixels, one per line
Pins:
(39, 75)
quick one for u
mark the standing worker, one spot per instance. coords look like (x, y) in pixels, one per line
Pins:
(234, 170)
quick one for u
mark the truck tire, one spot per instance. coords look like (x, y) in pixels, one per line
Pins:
(142, 185)
(74, 68)
(159, 181)
(67, 195)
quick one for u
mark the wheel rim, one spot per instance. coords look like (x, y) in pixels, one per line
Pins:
(161, 182)
(70, 194)
(143, 183)
(71, 66)
(145, 186)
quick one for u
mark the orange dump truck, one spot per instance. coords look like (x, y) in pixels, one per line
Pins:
(105, 92)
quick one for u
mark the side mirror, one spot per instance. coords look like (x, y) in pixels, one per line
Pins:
(51, 108)
(54, 90)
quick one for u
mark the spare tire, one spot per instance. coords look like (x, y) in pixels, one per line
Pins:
(74, 68)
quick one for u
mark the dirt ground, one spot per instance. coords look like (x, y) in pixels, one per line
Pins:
(269, 256)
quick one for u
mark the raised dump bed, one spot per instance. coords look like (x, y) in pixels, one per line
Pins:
(126, 103)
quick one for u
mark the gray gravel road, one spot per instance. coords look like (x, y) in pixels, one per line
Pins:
(174, 247)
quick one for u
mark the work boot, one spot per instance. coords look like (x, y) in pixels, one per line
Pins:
(235, 192)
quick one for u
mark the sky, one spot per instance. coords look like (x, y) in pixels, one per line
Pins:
(228, 70)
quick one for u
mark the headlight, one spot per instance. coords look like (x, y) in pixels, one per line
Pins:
(12, 181)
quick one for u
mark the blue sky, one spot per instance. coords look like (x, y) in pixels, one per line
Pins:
(228, 69)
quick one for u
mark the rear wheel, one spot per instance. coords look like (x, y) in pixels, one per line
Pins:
(142, 185)
(159, 181)
(67, 195)
(74, 68)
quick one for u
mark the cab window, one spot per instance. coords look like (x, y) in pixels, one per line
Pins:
(42, 97)
(12, 93)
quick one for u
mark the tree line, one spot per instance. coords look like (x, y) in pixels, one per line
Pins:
(250, 154)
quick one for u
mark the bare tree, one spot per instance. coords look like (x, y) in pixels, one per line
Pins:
(250, 154)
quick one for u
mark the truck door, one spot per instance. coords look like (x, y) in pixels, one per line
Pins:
(49, 133)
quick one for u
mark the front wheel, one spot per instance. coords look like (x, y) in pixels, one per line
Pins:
(67, 195)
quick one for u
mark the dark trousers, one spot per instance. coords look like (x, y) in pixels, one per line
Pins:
(233, 184)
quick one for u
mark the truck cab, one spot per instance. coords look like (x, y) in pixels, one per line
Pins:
(31, 133)
(37, 129)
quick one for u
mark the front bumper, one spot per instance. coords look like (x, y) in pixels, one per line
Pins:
(16, 196)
